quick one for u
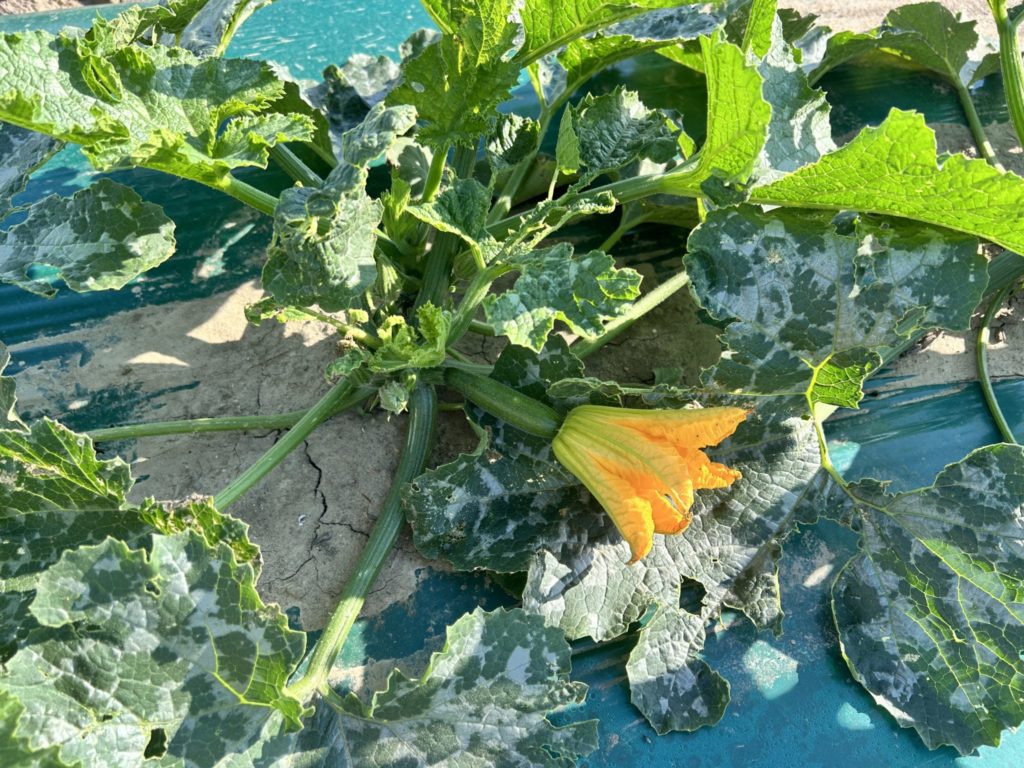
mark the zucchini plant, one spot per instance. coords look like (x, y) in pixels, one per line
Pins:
(423, 211)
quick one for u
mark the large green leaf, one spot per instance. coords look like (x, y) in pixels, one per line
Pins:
(930, 612)
(21, 153)
(553, 24)
(613, 130)
(816, 308)
(15, 752)
(457, 83)
(172, 647)
(324, 242)
(483, 700)
(100, 238)
(738, 118)
(461, 209)
(893, 169)
(149, 106)
(673, 689)
(926, 34)
(556, 284)
(8, 415)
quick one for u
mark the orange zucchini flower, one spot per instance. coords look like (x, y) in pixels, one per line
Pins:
(643, 466)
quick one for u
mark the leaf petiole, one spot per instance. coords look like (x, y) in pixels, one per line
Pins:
(981, 358)
(344, 394)
(418, 443)
(294, 167)
(248, 194)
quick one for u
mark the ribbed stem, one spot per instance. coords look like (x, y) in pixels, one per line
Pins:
(981, 358)
(248, 194)
(418, 443)
(294, 167)
(344, 394)
(1010, 61)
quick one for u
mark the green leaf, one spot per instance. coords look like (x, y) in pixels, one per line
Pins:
(129, 643)
(553, 24)
(376, 134)
(613, 130)
(21, 153)
(483, 700)
(15, 752)
(799, 131)
(406, 347)
(461, 209)
(738, 118)
(555, 284)
(215, 23)
(584, 585)
(813, 307)
(567, 148)
(160, 108)
(675, 690)
(457, 83)
(758, 33)
(893, 170)
(490, 509)
(927, 34)
(101, 238)
(930, 613)
(324, 241)
(8, 415)
(514, 139)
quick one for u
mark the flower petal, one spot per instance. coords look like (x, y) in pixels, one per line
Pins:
(689, 427)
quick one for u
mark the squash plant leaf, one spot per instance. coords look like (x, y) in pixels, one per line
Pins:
(154, 107)
(738, 118)
(171, 644)
(929, 612)
(552, 24)
(928, 35)
(215, 22)
(376, 134)
(892, 169)
(613, 130)
(8, 415)
(21, 153)
(483, 700)
(100, 238)
(556, 284)
(584, 585)
(673, 688)
(494, 508)
(324, 240)
(815, 308)
(457, 83)
(461, 209)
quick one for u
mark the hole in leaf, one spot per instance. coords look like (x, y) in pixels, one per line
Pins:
(157, 745)
(152, 588)
(691, 595)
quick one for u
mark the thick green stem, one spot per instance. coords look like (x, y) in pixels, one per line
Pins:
(1010, 61)
(437, 275)
(981, 357)
(294, 167)
(475, 293)
(434, 175)
(974, 123)
(418, 442)
(248, 194)
(344, 394)
(645, 304)
(194, 426)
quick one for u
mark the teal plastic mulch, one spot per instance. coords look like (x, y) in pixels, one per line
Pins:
(794, 702)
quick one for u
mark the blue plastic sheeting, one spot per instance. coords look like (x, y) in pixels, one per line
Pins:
(794, 701)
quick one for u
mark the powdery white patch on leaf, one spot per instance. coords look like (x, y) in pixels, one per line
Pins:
(930, 613)
(814, 307)
(100, 238)
(483, 700)
(179, 640)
